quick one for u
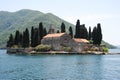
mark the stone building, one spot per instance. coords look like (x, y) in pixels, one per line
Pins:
(57, 40)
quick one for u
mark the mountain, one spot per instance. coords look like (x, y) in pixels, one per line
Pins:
(12, 21)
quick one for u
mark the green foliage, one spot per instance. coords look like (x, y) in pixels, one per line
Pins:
(68, 49)
(105, 49)
(43, 48)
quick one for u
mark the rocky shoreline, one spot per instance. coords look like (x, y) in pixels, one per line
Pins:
(31, 51)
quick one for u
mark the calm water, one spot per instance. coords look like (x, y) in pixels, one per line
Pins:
(59, 67)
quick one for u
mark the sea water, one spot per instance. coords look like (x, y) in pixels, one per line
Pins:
(59, 67)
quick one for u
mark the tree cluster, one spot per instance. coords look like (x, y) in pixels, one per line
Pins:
(25, 40)
(95, 35)
(34, 38)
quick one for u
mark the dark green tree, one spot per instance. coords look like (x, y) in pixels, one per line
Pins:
(26, 41)
(99, 33)
(83, 33)
(94, 36)
(32, 37)
(77, 30)
(63, 28)
(36, 37)
(58, 31)
(27, 37)
(40, 32)
(71, 32)
(17, 38)
(44, 32)
(90, 34)
(10, 42)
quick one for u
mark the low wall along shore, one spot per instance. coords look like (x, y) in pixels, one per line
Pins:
(32, 51)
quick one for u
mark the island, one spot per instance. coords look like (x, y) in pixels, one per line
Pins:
(54, 41)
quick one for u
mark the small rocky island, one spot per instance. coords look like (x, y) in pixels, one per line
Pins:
(61, 41)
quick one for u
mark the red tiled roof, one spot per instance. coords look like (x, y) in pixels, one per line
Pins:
(81, 40)
(54, 35)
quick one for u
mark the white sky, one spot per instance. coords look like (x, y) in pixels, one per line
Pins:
(90, 12)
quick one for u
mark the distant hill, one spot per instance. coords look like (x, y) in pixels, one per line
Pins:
(12, 21)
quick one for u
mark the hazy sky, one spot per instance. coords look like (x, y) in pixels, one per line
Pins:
(90, 12)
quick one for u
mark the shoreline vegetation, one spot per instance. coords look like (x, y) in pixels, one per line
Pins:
(61, 41)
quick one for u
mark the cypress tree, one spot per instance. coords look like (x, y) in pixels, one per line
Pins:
(36, 37)
(83, 33)
(71, 32)
(21, 39)
(32, 36)
(27, 37)
(90, 34)
(77, 30)
(40, 32)
(95, 36)
(44, 32)
(17, 37)
(63, 28)
(10, 42)
(99, 33)
(25, 42)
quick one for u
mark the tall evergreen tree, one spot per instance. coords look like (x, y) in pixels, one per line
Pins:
(77, 30)
(17, 37)
(95, 36)
(71, 32)
(36, 37)
(21, 40)
(40, 32)
(10, 42)
(44, 32)
(26, 41)
(32, 36)
(90, 34)
(63, 27)
(27, 37)
(99, 35)
(83, 33)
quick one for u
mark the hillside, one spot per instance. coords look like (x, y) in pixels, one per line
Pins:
(12, 21)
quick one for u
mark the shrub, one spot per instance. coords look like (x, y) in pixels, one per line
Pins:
(105, 49)
(43, 48)
(68, 49)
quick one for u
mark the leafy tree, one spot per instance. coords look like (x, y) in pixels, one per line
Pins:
(63, 27)
(71, 32)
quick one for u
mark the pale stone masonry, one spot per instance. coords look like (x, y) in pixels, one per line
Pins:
(57, 40)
